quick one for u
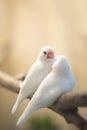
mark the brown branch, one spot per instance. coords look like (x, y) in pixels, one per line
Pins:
(66, 105)
(9, 82)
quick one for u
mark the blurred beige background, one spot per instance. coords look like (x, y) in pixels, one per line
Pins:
(26, 26)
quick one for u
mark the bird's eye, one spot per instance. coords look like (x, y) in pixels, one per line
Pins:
(45, 52)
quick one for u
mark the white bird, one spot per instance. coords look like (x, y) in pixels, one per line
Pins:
(59, 81)
(36, 74)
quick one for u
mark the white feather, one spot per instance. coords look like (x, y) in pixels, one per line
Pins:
(36, 74)
(56, 83)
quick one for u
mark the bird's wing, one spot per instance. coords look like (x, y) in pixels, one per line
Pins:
(32, 77)
(50, 89)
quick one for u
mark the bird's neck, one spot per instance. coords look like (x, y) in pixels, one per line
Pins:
(62, 73)
(46, 61)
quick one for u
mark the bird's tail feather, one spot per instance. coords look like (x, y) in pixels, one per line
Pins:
(26, 114)
(18, 102)
(14, 108)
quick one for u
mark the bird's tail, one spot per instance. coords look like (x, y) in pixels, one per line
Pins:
(20, 98)
(26, 114)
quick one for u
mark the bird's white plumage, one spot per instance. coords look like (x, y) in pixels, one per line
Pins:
(36, 74)
(59, 81)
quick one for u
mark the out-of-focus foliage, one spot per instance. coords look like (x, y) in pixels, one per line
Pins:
(42, 123)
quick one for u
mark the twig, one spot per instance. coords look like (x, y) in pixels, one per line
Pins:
(66, 105)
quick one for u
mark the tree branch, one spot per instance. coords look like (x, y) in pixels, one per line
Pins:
(67, 105)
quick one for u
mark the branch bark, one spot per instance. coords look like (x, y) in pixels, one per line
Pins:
(67, 105)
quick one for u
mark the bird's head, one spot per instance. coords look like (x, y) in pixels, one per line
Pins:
(46, 53)
(61, 65)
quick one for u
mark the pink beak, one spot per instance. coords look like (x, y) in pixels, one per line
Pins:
(50, 54)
